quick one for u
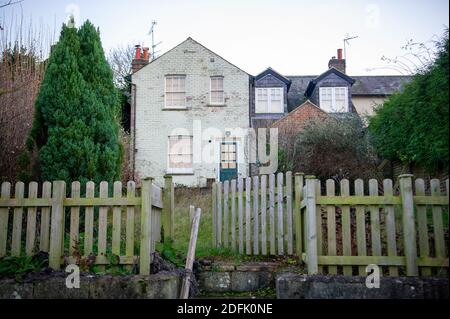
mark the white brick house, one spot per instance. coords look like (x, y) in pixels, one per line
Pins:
(189, 117)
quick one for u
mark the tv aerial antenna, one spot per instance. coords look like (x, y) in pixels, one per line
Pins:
(347, 40)
(152, 34)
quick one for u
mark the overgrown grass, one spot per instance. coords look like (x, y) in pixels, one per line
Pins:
(20, 265)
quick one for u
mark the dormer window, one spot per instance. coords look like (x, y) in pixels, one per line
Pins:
(269, 100)
(334, 99)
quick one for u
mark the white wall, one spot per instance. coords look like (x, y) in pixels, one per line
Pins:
(154, 125)
(365, 105)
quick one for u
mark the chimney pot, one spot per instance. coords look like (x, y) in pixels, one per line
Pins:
(340, 56)
(138, 52)
(146, 54)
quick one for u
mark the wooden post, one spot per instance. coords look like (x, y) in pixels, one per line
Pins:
(191, 255)
(74, 219)
(280, 221)
(299, 180)
(311, 215)
(146, 226)
(219, 214)
(256, 215)
(241, 215)
(272, 214)
(409, 227)
(89, 221)
(214, 214)
(233, 215)
(16, 240)
(117, 220)
(57, 224)
(290, 246)
(4, 216)
(191, 215)
(31, 221)
(226, 222)
(44, 244)
(168, 208)
(103, 225)
(331, 225)
(264, 214)
(346, 226)
(129, 246)
(248, 195)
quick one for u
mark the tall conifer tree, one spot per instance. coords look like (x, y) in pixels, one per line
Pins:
(75, 129)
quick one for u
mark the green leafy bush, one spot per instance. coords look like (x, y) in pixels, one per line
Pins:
(413, 126)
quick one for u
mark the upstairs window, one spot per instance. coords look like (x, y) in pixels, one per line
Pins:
(180, 155)
(269, 100)
(217, 96)
(334, 99)
(176, 91)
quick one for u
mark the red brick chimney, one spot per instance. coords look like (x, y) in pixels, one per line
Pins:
(141, 59)
(338, 63)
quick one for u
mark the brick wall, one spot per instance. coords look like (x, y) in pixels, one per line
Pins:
(298, 119)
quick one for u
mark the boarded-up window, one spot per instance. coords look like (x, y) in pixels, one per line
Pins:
(180, 154)
(217, 91)
(175, 91)
(334, 99)
(269, 100)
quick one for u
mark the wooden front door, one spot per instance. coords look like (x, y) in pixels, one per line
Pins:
(228, 161)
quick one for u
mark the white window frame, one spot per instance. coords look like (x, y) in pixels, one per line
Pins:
(211, 90)
(180, 171)
(171, 107)
(269, 100)
(333, 99)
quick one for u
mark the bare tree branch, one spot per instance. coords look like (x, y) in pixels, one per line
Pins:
(10, 3)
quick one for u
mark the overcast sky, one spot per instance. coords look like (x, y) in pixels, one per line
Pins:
(295, 37)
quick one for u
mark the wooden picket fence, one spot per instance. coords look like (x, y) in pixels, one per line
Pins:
(46, 222)
(336, 232)
(254, 215)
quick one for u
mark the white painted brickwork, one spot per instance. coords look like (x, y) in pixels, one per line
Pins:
(154, 124)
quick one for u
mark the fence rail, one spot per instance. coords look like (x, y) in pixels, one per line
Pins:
(341, 230)
(115, 214)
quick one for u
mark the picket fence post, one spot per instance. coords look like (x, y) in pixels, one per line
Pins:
(311, 230)
(146, 227)
(57, 224)
(299, 181)
(168, 211)
(409, 227)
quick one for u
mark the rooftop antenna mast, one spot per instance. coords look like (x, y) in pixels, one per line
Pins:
(347, 42)
(152, 34)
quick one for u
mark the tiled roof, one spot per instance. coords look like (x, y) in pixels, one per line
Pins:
(364, 85)
(298, 88)
(379, 85)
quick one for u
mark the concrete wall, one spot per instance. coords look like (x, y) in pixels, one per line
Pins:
(295, 286)
(154, 124)
(53, 286)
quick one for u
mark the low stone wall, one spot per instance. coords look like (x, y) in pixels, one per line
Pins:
(53, 286)
(252, 277)
(294, 286)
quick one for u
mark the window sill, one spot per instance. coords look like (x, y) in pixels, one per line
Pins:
(176, 109)
(180, 173)
(216, 105)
